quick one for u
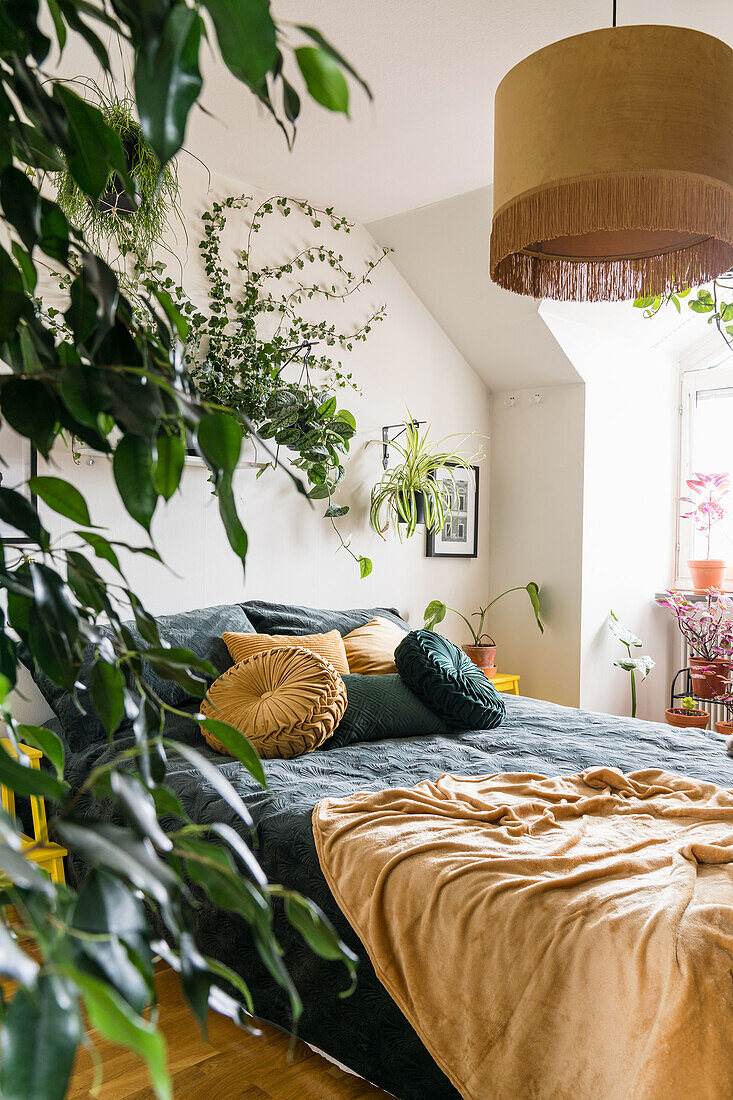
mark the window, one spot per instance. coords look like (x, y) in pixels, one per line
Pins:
(707, 447)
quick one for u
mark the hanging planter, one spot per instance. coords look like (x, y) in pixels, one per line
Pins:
(134, 226)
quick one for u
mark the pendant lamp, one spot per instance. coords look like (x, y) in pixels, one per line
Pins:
(613, 166)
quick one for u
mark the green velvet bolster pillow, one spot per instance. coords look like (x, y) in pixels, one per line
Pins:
(382, 706)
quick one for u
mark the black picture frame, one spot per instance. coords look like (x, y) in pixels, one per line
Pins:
(433, 546)
(23, 540)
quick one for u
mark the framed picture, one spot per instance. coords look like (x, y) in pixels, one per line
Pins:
(20, 462)
(458, 538)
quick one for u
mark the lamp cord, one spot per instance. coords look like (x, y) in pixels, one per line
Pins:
(614, 13)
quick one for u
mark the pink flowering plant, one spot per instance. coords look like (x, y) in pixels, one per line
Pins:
(706, 627)
(705, 505)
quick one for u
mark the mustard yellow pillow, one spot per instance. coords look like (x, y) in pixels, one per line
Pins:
(330, 646)
(370, 648)
(287, 701)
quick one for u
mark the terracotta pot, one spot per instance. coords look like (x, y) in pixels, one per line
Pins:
(678, 716)
(483, 656)
(707, 574)
(711, 683)
(725, 729)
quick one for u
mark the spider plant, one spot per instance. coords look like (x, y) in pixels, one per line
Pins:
(411, 493)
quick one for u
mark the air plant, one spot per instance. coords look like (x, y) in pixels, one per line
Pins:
(632, 665)
(706, 507)
(436, 611)
(399, 493)
(706, 627)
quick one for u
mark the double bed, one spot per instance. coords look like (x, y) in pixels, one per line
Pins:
(367, 1031)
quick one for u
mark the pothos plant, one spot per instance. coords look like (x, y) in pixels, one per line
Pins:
(241, 344)
(121, 387)
(716, 304)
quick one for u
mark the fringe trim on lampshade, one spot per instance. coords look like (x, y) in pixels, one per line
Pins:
(652, 200)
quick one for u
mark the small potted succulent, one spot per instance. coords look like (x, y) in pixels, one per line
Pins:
(706, 509)
(708, 630)
(687, 715)
(483, 650)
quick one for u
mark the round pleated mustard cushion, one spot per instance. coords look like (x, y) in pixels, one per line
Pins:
(286, 701)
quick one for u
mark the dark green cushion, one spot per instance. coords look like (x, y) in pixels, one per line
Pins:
(200, 630)
(280, 618)
(443, 677)
(382, 706)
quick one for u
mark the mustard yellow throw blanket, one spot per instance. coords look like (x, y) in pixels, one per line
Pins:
(549, 938)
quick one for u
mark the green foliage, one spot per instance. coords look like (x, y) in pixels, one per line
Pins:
(436, 611)
(239, 349)
(710, 303)
(113, 375)
(633, 665)
(156, 191)
(395, 496)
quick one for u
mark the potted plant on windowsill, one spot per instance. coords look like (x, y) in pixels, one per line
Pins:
(688, 715)
(706, 509)
(483, 652)
(410, 494)
(708, 630)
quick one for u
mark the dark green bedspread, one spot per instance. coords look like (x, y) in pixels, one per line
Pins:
(367, 1031)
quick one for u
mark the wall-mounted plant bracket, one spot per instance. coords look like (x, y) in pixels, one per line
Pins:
(387, 438)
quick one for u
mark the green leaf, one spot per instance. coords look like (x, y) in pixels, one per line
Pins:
(219, 436)
(47, 741)
(132, 468)
(727, 313)
(27, 267)
(17, 511)
(29, 408)
(119, 852)
(41, 1031)
(14, 963)
(239, 746)
(642, 665)
(95, 149)
(328, 408)
(24, 873)
(13, 301)
(62, 497)
(365, 567)
(213, 777)
(316, 36)
(170, 455)
(116, 1021)
(21, 205)
(335, 511)
(434, 613)
(236, 534)
(247, 38)
(323, 77)
(622, 632)
(139, 807)
(533, 591)
(108, 694)
(168, 81)
(317, 931)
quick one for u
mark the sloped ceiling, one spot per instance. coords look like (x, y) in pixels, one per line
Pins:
(442, 251)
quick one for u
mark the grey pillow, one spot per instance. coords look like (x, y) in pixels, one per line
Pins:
(279, 618)
(200, 631)
(382, 706)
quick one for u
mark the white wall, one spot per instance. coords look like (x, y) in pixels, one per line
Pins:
(628, 508)
(407, 361)
(536, 534)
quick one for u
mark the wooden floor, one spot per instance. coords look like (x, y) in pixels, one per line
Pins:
(231, 1066)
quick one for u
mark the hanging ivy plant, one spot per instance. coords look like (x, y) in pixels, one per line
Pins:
(238, 360)
(135, 229)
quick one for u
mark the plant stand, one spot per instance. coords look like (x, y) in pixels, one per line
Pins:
(38, 848)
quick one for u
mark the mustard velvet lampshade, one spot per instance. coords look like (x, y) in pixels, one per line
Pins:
(613, 166)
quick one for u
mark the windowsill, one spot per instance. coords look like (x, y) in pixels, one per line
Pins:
(692, 597)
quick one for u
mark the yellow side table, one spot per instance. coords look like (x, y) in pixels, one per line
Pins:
(505, 681)
(38, 848)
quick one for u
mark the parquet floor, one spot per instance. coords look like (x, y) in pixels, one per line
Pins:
(230, 1066)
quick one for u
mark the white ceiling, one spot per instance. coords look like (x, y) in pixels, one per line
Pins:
(433, 66)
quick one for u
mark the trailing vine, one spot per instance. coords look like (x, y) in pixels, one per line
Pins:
(711, 303)
(234, 363)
